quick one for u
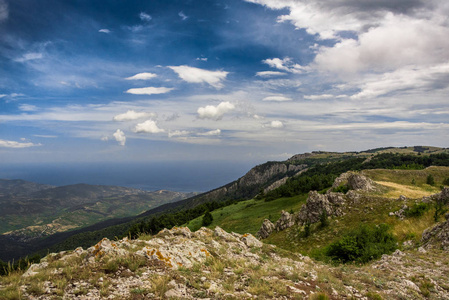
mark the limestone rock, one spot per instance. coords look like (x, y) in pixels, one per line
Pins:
(251, 241)
(317, 204)
(34, 268)
(437, 236)
(266, 229)
(105, 247)
(285, 221)
(360, 182)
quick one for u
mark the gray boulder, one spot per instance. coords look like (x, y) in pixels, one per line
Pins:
(265, 230)
(285, 221)
(317, 204)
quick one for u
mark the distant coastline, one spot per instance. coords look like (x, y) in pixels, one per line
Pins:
(151, 176)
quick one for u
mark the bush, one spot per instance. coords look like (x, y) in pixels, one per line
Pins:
(430, 180)
(417, 210)
(344, 188)
(365, 243)
(207, 219)
(446, 181)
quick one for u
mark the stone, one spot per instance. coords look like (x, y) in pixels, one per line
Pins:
(317, 204)
(266, 229)
(285, 221)
(251, 241)
(34, 269)
(360, 182)
(218, 232)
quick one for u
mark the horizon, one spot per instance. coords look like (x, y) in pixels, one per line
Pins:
(218, 80)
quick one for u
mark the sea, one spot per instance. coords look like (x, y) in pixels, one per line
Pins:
(190, 176)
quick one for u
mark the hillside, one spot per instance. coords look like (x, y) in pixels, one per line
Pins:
(31, 211)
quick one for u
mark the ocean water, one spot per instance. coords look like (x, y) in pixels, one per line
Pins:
(174, 176)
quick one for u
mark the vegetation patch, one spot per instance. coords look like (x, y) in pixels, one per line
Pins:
(363, 244)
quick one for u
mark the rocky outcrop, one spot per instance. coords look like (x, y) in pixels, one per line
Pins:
(437, 236)
(265, 172)
(265, 230)
(360, 182)
(317, 204)
(285, 221)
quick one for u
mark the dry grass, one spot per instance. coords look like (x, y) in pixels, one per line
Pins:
(409, 191)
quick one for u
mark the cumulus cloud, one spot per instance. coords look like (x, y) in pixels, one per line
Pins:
(142, 76)
(120, 137)
(14, 144)
(176, 133)
(211, 133)
(145, 17)
(319, 97)
(278, 98)
(133, 115)
(149, 90)
(285, 64)
(196, 75)
(148, 126)
(270, 74)
(104, 30)
(275, 124)
(215, 112)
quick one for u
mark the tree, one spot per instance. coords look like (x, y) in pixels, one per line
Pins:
(207, 219)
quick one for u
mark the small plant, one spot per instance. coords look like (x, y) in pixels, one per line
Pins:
(417, 210)
(344, 188)
(319, 296)
(430, 180)
(307, 232)
(324, 221)
(413, 181)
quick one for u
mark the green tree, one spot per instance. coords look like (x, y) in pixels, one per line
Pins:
(324, 221)
(207, 219)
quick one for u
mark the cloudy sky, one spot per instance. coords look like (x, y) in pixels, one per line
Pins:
(111, 80)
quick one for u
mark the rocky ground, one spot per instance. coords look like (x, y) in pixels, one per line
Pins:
(179, 264)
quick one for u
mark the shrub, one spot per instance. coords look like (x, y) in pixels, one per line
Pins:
(324, 221)
(417, 210)
(344, 188)
(446, 181)
(430, 180)
(207, 219)
(365, 243)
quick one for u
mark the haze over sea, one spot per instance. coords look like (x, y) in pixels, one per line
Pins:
(175, 176)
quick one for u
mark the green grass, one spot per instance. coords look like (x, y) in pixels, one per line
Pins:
(247, 216)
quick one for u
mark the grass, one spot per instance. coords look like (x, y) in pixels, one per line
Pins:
(247, 216)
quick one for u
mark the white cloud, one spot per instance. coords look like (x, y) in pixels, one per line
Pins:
(270, 74)
(196, 75)
(120, 137)
(176, 133)
(211, 133)
(285, 64)
(30, 56)
(133, 115)
(27, 107)
(14, 144)
(275, 124)
(201, 58)
(149, 90)
(148, 126)
(278, 98)
(105, 138)
(4, 11)
(3, 95)
(145, 17)
(319, 97)
(45, 136)
(215, 112)
(182, 15)
(104, 30)
(142, 76)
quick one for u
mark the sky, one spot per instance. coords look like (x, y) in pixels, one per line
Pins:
(219, 80)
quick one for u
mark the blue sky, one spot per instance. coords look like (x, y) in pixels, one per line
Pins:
(210, 80)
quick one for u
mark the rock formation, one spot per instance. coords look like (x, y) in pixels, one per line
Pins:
(285, 221)
(317, 204)
(437, 236)
(265, 230)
